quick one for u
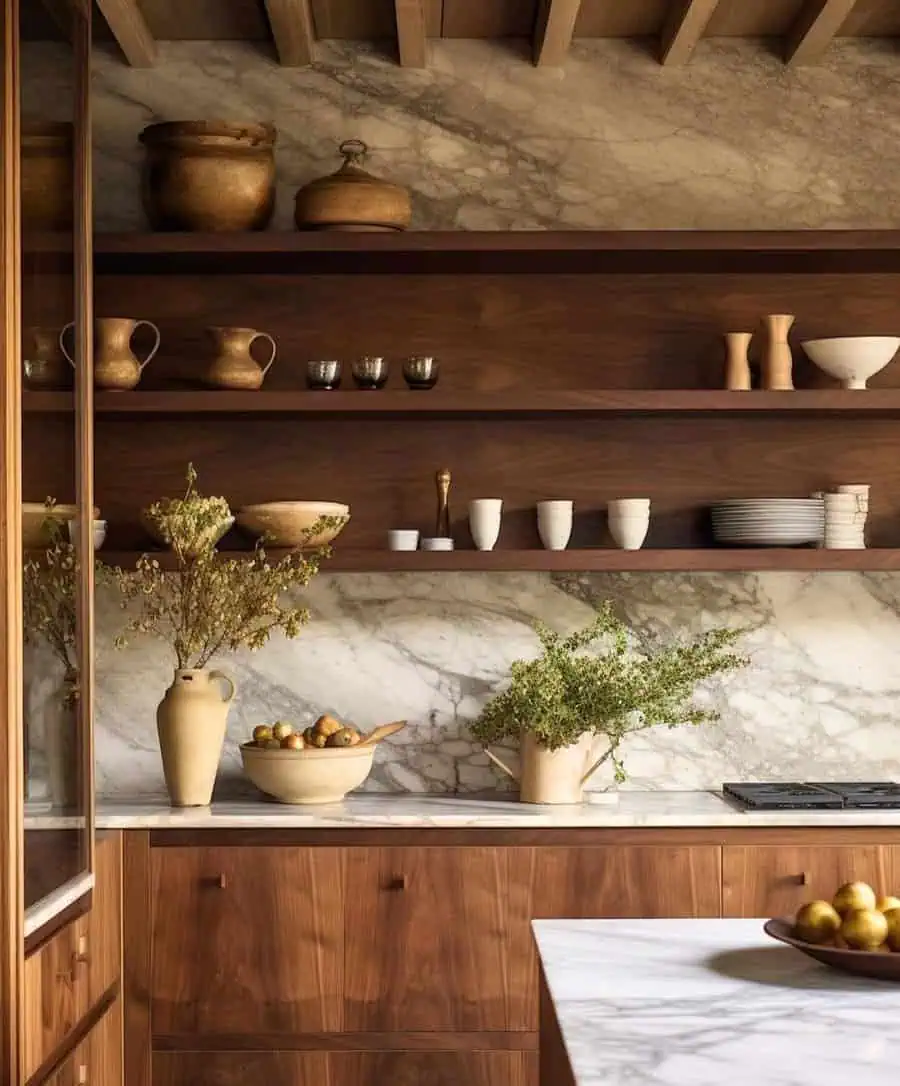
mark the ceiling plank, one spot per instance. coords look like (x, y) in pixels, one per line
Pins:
(811, 34)
(292, 29)
(683, 29)
(553, 29)
(412, 39)
(130, 31)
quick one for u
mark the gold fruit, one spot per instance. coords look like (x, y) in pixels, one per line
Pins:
(887, 902)
(327, 725)
(271, 744)
(864, 929)
(817, 922)
(282, 729)
(346, 737)
(292, 742)
(892, 916)
(262, 732)
(854, 895)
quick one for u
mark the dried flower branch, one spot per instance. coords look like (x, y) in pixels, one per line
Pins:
(568, 691)
(49, 593)
(212, 604)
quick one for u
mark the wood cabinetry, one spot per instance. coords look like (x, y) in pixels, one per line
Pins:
(247, 940)
(56, 994)
(97, 1060)
(241, 1069)
(772, 880)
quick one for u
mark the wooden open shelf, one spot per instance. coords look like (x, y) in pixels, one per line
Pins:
(437, 403)
(710, 560)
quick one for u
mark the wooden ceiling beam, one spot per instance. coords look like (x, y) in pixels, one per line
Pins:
(292, 28)
(816, 26)
(553, 30)
(130, 30)
(412, 39)
(683, 29)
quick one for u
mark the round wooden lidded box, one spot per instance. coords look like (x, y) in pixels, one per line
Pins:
(352, 199)
(48, 179)
(209, 175)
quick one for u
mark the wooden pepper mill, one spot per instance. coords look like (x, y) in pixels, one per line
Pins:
(777, 362)
(737, 364)
(442, 480)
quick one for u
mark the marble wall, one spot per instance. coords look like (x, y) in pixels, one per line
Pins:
(734, 140)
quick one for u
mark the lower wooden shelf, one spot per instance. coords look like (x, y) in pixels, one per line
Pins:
(710, 559)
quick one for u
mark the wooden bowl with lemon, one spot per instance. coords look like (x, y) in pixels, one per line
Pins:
(857, 931)
(319, 764)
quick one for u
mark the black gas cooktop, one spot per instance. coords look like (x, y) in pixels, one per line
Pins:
(809, 795)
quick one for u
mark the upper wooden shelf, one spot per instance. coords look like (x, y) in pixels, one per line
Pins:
(436, 403)
(517, 252)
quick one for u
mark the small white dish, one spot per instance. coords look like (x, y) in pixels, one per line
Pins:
(99, 533)
(403, 539)
(436, 543)
(852, 360)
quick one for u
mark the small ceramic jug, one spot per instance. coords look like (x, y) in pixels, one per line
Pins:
(233, 365)
(45, 365)
(777, 362)
(115, 366)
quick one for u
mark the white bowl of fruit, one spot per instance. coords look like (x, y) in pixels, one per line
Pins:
(318, 764)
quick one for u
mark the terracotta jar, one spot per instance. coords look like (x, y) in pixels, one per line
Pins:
(45, 365)
(209, 175)
(48, 176)
(233, 365)
(352, 199)
(190, 722)
(115, 367)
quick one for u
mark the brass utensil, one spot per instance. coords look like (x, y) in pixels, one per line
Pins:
(442, 481)
(370, 372)
(381, 732)
(420, 371)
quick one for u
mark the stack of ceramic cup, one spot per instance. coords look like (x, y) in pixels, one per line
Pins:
(629, 519)
(846, 510)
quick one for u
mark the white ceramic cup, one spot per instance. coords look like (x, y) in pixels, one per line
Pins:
(485, 515)
(860, 491)
(403, 539)
(629, 533)
(629, 507)
(436, 543)
(554, 520)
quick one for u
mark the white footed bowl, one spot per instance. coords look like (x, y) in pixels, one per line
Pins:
(852, 359)
(308, 776)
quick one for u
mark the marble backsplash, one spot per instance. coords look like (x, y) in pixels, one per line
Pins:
(612, 140)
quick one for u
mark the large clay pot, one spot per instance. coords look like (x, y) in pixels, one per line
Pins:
(209, 175)
(115, 366)
(233, 366)
(551, 776)
(191, 722)
(48, 185)
(45, 365)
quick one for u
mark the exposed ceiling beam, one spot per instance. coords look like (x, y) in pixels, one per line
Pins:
(816, 25)
(553, 31)
(292, 28)
(412, 41)
(684, 28)
(130, 31)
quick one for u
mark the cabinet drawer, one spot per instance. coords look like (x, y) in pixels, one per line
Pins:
(776, 881)
(97, 1061)
(102, 926)
(246, 940)
(56, 993)
(240, 1069)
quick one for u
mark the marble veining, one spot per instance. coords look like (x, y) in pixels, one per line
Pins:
(362, 811)
(687, 1002)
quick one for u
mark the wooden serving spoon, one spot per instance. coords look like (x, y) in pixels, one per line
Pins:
(381, 732)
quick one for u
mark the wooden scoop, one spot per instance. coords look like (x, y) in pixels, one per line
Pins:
(381, 732)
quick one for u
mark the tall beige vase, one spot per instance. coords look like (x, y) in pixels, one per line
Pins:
(191, 722)
(777, 362)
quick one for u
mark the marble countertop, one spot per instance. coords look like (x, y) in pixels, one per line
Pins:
(687, 1002)
(632, 809)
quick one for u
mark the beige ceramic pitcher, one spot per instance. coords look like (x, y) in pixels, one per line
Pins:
(551, 776)
(116, 368)
(233, 365)
(190, 721)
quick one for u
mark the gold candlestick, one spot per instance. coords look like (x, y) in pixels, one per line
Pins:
(442, 481)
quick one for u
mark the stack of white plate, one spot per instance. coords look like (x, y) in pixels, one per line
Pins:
(769, 522)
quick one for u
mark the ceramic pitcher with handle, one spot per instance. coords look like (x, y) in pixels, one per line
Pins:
(233, 365)
(551, 776)
(190, 721)
(116, 368)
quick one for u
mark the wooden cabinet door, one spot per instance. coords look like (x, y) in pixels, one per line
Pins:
(432, 1069)
(427, 940)
(102, 926)
(774, 880)
(246, 940)
(97, 1061)
(56, 994)
(241, 1069)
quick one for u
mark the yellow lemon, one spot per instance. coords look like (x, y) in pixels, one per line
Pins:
(854, 895)
(817, 922)
(864, 929)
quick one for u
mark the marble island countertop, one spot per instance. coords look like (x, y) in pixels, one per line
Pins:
(632, 809)
(688, 1002)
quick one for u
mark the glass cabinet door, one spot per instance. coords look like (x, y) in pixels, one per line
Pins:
(57, 521)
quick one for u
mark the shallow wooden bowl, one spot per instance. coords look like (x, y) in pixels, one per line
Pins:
(308, 776)
(289, 524)
(865, 963)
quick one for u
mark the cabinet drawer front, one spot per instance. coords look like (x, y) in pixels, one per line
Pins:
(246, 940)
(776, 881)
(56, 993)
(240, 1069)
